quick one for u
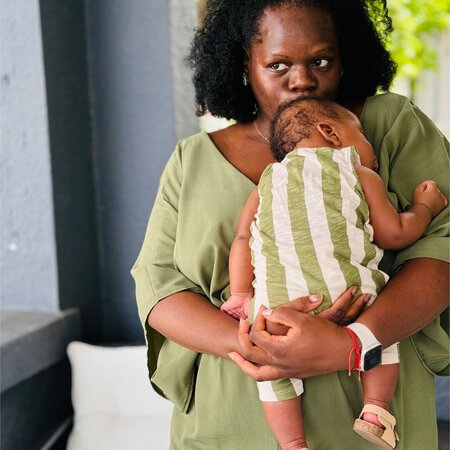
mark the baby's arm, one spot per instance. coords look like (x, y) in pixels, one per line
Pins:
(393, 230)
(240, 263)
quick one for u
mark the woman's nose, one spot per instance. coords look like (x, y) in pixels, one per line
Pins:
(302, 79)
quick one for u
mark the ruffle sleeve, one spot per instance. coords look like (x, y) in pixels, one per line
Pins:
(156, 277)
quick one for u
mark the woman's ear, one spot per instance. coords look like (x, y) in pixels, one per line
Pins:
(330, 133)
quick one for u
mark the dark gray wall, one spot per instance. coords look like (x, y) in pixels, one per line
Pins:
(130, 73)
(110, 69)
(64, 44)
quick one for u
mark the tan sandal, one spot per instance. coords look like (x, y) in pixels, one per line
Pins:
(386, 438)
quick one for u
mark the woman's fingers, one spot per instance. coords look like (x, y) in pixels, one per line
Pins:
(244, 341)
(305, 304)
(266, 343)
(293, 354)
(285, 315)
(340, 307)
(345, 310)
(250, 352)
(355, 309)
(272, 344)
(265, 356)
(258, 373)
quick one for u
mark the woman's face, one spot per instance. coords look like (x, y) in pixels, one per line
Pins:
(294, 54)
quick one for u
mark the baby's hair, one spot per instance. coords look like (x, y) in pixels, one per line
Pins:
(295, 120)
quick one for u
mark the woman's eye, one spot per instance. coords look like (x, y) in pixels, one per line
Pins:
(321, 63)
(277, 66)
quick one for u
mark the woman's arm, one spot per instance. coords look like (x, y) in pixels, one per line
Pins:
(192, 321)
(416, 295)
(411, 300)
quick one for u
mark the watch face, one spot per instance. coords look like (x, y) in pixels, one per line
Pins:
(372, 358)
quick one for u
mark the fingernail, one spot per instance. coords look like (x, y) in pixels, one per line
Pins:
(314, 298)
(241, 321)
(367, 298)
(353, 290)
(231, 356)
(267, 312)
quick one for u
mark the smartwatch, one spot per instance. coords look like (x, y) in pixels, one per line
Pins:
(371, 347)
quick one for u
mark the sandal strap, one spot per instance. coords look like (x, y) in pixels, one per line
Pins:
(386, 419)
(380, 412)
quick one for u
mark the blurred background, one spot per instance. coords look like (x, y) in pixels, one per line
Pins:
(94, 96)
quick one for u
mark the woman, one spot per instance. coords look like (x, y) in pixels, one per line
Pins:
(248, 58)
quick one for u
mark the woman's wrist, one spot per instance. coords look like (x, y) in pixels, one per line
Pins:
(336, 356)
(399, 310)
(344, 355)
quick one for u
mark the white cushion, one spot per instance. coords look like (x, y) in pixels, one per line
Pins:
(114, 404)
(119, 433)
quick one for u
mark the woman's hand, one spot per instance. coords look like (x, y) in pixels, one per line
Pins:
(343, 311)
(313, 345)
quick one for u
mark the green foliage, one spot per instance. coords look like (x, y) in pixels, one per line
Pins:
(415, 22)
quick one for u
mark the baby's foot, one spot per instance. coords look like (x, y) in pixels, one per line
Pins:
(373, 418)
(369, 426)
(297, 444)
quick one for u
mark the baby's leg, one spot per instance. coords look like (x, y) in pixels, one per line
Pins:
(286, 422)
(379, 385)
(375, 423)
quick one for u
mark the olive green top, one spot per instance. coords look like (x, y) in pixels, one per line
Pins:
(187, 246)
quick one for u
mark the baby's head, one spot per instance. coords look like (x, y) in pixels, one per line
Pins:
(318, 122)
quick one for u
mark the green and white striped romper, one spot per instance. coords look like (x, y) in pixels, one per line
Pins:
(311, 234)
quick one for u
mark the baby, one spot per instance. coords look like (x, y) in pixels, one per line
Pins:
(305, 229)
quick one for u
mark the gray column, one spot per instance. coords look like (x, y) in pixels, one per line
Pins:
(131, 72)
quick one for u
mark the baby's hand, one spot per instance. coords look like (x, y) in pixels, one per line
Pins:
(428, 194)
(238, 305)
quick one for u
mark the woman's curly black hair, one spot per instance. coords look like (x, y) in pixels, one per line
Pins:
(229, 26)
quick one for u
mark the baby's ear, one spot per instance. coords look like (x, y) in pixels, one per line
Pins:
(330, 133)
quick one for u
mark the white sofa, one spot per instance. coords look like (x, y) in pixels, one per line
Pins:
(114, 405)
